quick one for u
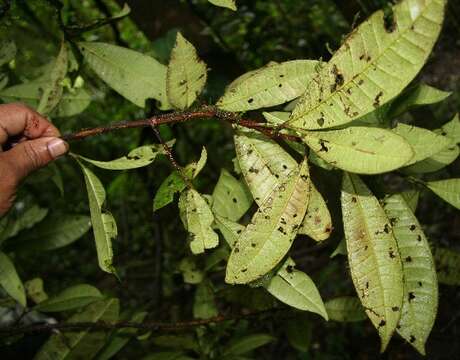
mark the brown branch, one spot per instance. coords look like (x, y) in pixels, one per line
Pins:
(157, 326)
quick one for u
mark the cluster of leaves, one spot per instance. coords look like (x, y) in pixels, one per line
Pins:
(339, 115)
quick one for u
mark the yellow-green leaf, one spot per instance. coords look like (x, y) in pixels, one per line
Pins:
(345, 309)
(375, 63)
(197, 218)
(186, 74)
(373, 256)
(361, 150)
(10, 281)
(229, 4)
(448, 190)
(273, 84)
(452, 129)
(420, 283)
(435, 162)
(267, 239)
(317, 223)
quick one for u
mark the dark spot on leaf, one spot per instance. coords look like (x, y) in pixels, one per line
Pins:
(267, 217)
(412, 339)
(253, 170)
(237, 250)
(304, 177)
(289, 269)
(244, 270)
(386, 229)
(366, 247)
(420, 284)
(382, 323)
(377, 99)
(389, 21)
(419, 237)
(408, 259)
(339, 80)
(250, 100)
(393, 221)
(367, 284)
(322, 143)
(294, 216)
(281, 75)
(411, 296)
(412, 227)
(280, 85)
(395, 308)
(320, 121)
(239, 231)
(360, 82)
(183, 82)
(253, 245)
(234, 200)
(392, 254)
(353, 200)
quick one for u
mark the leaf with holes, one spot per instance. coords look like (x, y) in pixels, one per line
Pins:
(345, 309)
(267, 239)
(317, 223)
(10, 281)
(420, 302)
(360, 150)
(448, 190)
(197, 218)
(135, 76)
(375, 63)
(274, 84)
(186, 74)
(104, 225)
(373, 256)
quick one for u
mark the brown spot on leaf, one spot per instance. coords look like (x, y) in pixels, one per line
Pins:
(377, 99)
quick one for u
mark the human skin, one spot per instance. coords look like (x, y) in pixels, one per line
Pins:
(27, 142)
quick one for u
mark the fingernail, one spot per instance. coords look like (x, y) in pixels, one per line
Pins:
(57, 147)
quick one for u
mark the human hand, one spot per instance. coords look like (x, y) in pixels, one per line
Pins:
(29, 142)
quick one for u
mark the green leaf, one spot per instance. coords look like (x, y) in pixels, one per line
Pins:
(199, 165)
(190, 271)
(163, 46)
(229, 4)
(420, 283)
(345, 309)
(204, 306)
(448, 266)
(247, 343)
(104, 225)
(425, 143)
(231, 198)
(273, 84)
(71, 298)
(12, 224)
(136, 158)
(10, 281)
(341, 249)
(435, 162)
(84, 343)
(267, 239)
(416, 96)
(52, 233)
(35, 291)
(72, 102)
(411, 198)
(374, 64)
(186, 74)
(448, 190)
(361, 150)
(297, 289)
(133, 75)
(7, 51)
(120, 338)
(174, 183)
(452, 129)
(373, 257)
(52, 91)
(168, 355)
(197, 218)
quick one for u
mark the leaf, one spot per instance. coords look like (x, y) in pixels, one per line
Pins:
(84, 343)
(136, 158)
(199, 165)
(436, 162)
(7, 51)
(204, 306)
(273, 84)
(425, 143)
(295, 288)
(197, 218)
(12, 224)
(186, 74)
(299, 332)
(345, 309)
(35, 291)
(168, 355)
(71, 298)
(373, 257)
(420, 283)
(448, 190)
(133, 75)
(183, 342)
(72, 102)
(104, 225)
(120, 338)
(52, 91)
(448, 266)
(416, 96)
(231, 198)
(163, 46)
(10, 281)
(53, 233)
(361, 150)
(247, 343)
(174, 183)
(411, 198)
(191, 273)
(229, 4)
(452, 129)
(341, 249)
(374, 64)
(267, 239)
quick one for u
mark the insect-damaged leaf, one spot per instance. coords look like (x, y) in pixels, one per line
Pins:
(267, 239)
(345, 309)
(197, 218)
(229, 4)
(376, 61)
(10, 281)
(425, 143)
(264, 165)
(186, 74)
(420, 283)
(373, 256)
(273, 84)
(231, 197)
(361, 150)
(448, 190)
(135, 76)
(84, 343)
(104, 225)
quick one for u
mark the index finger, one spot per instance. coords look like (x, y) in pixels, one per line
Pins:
(16, 119)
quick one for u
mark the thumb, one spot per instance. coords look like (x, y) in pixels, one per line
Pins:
(31, 155)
